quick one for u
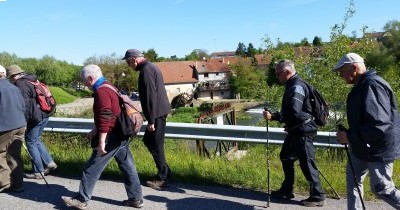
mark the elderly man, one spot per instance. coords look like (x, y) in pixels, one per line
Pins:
(373, 134)
(12, 132)
(155, 105)
(301, 129)
(107, 142)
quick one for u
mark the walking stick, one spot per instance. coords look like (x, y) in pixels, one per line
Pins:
(333, 189)
(33, 162)
(342, 128)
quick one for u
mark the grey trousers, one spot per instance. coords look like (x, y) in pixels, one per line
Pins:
(381, 183)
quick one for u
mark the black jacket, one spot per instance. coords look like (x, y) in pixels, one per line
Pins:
(152, 93)
(296, 109)
(373, 117)
(33, 113)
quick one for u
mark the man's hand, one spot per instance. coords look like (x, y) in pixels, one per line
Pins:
(267, 115)
(151, 127)
(101, 147)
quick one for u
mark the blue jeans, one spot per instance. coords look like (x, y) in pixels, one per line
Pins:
(37, 150)
(96, 164)
(381, 183)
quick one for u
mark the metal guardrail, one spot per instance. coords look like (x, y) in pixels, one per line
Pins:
(192, 131)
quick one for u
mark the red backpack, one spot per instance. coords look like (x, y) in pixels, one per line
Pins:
(44, 97)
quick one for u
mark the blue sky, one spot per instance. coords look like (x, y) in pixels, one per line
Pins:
(73, 30)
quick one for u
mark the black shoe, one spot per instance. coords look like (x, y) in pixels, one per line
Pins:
(157, 184)
(313, 202)
(282, 195)
(133, 203)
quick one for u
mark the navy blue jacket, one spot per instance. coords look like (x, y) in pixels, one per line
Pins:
(152, 93)
(296, 109)
(12, 107)
(374, 121)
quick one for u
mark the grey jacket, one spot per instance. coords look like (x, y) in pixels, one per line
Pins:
(12, 107)
(374, 121)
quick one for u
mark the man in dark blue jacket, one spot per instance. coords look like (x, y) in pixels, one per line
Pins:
(12, 131)
(155, 105)
(301, 128)
(374, 131)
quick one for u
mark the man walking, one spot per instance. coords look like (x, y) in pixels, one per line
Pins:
(12, 131)
(155, 105)
(373, 134)
(301, 130)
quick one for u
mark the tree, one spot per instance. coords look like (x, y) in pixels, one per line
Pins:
(241, 50)
(151, 55)
(304, 42)
(392, 39)
(197, 55)
(317, 41)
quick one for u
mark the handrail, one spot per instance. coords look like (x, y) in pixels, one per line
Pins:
(192, 131)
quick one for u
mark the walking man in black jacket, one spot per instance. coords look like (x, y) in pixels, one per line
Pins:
(301, 130)
(374, 131)
(155, 105)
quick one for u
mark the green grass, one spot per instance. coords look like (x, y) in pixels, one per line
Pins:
(61, 96)
(70, 151)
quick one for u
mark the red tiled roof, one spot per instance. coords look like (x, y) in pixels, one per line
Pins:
(177, 71)
(215, 66)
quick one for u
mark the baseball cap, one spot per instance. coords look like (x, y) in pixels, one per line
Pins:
(132, 53)
(348, 58)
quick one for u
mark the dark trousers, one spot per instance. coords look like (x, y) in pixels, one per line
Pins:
(154, 141)
(302, 149)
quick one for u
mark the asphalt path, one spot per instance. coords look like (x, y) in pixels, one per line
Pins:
(108, 194)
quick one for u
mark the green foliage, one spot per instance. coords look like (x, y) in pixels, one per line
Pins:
(151, 55)
(197, 55)
(61, 96)
(183, 114)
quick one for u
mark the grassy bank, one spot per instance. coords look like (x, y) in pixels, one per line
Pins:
(71, 151)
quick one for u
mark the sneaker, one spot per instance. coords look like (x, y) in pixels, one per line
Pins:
(282, 195)
(74, 203)
(49, 168)
(157, 184)
(33, 176)
(133, 203)
(313, 202)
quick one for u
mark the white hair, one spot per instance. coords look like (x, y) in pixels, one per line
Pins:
(91, 70)
(285, 65)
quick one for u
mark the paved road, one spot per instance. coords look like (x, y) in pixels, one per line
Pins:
(109, 194)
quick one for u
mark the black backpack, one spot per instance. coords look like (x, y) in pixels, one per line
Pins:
(320, 108)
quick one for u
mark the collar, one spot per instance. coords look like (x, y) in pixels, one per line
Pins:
(98, 83)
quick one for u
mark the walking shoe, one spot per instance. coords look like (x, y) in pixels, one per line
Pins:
(313, 202)
(157, 184)
(282, 195)
(32, 176)
(133, 203)
(74, 203)
(49, 168)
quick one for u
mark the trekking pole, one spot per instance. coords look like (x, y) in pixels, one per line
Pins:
(268, 165)
(333, 189)
(33, 162)
(340, 127)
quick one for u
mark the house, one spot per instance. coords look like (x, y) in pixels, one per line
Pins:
(213, 80)
(179, 77)
(204, 80)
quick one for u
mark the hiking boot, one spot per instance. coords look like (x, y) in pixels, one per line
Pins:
(33, 176)
(282, 195)
(313, 202)
(157, 184)
(133, 203)
(49, 168)
(74, 203)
